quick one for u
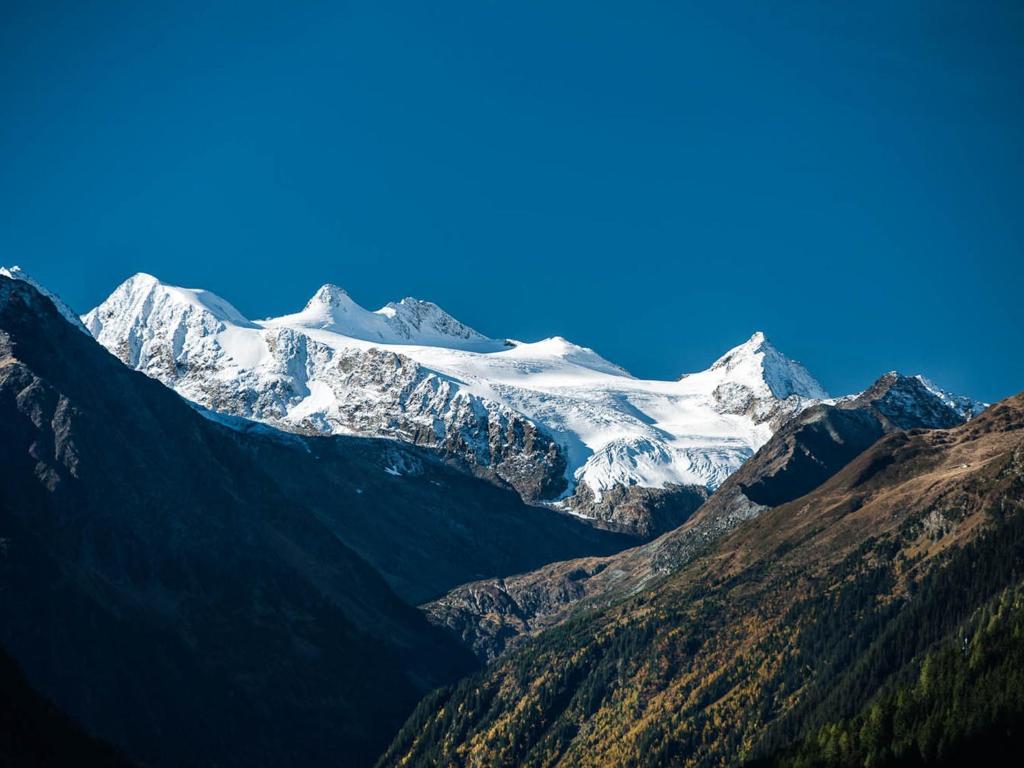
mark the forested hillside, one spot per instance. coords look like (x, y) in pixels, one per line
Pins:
(795, 621)
(961, 699)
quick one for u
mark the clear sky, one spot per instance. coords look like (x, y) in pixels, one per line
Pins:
(654, 180)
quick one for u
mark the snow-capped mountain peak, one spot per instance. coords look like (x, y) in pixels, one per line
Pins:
(330, 296)
(409, 321)
(424, 319)
(549, 416)
(757, 365)
(558, 351)
(143, 294)
(158, 328)
(331, 308)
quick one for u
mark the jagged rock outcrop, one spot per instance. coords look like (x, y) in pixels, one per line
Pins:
(639, 510)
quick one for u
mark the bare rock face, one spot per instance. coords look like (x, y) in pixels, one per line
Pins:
(639, 510)
(379, 392)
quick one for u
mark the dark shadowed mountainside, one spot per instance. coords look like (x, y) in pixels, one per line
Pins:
(164, 592)
(421, 523)
(195, 593)
(35, 734)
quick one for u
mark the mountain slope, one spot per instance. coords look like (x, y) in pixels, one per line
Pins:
(806, 451)
(34, 733)
(17, 273)
(808, 607)
(423, 525)
(163, 591)
(960, 702)
(552, 419)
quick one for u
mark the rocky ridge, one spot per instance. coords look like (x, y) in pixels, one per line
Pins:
(495, 614)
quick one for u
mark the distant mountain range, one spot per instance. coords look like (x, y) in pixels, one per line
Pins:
(554, 420)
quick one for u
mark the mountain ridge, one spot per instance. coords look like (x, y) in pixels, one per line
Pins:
(143, 548)
(554, 420)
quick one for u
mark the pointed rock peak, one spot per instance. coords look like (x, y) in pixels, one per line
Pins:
(893, 381)
(914, 396)
(759, 366)
(909, 404)
(17, 273)
(414, 318)
(757, 343)
(330, 295)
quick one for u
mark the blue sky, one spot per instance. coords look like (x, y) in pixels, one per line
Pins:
(654, 180)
